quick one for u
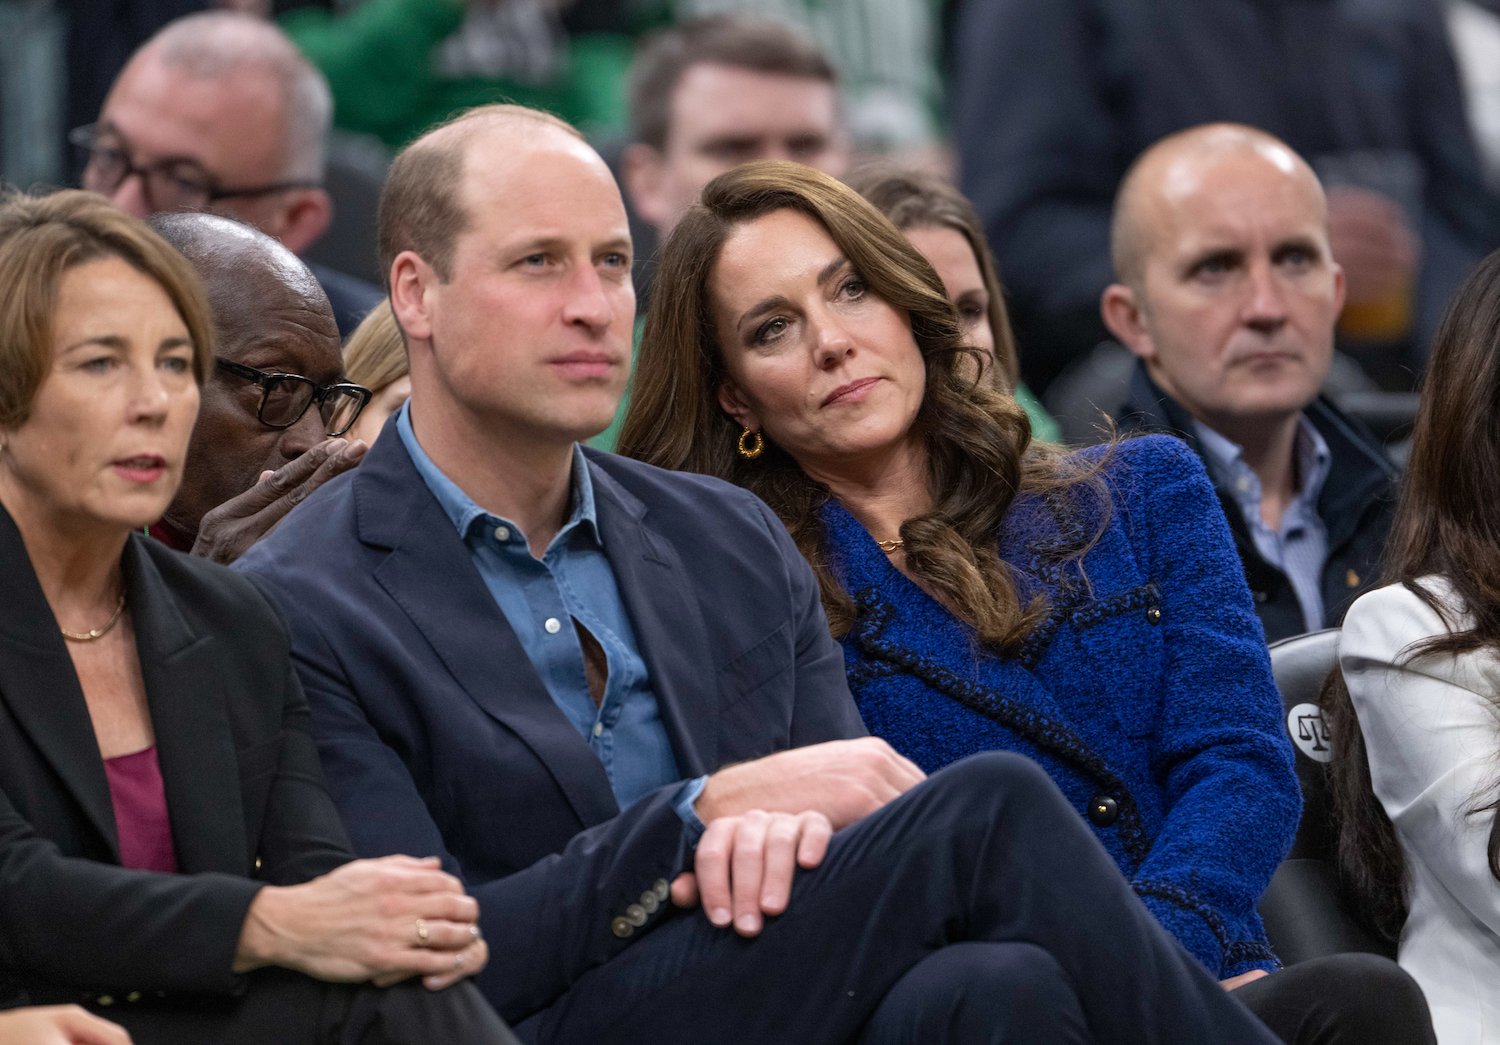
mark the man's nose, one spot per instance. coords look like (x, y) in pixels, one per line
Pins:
(130, 196)
(1265, 306)
(301, 437)
(588, 301)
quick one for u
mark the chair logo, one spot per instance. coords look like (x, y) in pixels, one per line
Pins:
(1310, 733)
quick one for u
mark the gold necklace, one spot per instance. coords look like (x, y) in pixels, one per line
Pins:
(97, 633)
(890, 545)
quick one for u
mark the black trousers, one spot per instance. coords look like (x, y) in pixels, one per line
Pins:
(281, 1007)
(1344, 999)
(975, 908)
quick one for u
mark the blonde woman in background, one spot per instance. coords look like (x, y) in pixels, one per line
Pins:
(377, 354)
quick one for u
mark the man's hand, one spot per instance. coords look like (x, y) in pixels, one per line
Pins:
(744, 866)
(1373, 241)
(228, 531)
(58, 1025)
(842, 779)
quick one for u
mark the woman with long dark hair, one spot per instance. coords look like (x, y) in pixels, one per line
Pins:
(1085, 610)
(1416, 718)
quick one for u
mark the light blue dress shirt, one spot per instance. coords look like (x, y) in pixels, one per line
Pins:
(1299, 548)
(542, 598)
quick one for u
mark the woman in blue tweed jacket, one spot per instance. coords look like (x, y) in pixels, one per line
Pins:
(797, 345)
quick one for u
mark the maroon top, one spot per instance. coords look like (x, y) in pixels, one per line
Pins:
(140, 803)
(160, 531)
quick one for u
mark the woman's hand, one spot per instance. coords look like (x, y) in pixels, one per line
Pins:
(381, 920)
(58, 1025)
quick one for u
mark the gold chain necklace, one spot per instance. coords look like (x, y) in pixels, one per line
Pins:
(97, 633)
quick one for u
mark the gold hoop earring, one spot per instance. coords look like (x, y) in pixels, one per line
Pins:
(752, 445)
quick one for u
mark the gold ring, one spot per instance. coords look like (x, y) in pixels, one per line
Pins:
(422, 933)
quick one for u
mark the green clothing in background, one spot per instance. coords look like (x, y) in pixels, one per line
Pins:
(397, 67)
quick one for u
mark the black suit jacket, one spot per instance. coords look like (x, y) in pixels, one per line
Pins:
(438, 736)
(244, 792)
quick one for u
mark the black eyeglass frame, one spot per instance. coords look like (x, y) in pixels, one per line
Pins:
(86, 139)
(268, 379)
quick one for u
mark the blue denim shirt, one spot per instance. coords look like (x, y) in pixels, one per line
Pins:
(1299, 548)
(542, 598)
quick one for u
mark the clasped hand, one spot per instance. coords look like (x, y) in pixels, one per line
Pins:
(380, 920)
(767, 818)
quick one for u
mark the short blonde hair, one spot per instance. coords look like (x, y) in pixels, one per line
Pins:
(375, 354)
(42, 237)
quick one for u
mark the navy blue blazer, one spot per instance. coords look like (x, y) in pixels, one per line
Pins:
(438, 736)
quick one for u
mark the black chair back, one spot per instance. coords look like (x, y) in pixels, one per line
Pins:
(1304, 908)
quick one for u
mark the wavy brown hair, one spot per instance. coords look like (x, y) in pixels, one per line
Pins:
(1446, 525)
(915, 199)
(978, 441)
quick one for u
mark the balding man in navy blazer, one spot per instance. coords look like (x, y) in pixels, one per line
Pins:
(607, 696)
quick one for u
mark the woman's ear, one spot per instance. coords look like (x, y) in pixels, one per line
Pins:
(732, 402)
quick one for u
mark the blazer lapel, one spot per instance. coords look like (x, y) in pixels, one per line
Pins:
(431, 576)
(41, 690)
(656, 589)
(194, 739)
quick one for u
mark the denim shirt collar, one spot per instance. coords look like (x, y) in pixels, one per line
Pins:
(465, 514)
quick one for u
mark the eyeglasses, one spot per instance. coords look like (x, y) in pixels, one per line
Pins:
(178, 184)
(286, 397)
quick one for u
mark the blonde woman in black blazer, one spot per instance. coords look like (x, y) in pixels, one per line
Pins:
(168, 854)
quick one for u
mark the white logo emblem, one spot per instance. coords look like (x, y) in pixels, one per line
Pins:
(1310, 733)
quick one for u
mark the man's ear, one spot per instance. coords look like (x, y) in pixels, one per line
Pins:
(307, 215)
(643, 172)
(412, 281)
(733, 403)
(1124, 315)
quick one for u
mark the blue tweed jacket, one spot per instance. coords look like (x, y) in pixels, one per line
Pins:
(1146, 693)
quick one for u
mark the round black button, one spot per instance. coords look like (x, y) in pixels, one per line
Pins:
(1154, 615)
(1260, 597)
(1103, 811)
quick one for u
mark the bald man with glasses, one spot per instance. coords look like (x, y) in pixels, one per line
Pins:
(219, 112)
(274, 414)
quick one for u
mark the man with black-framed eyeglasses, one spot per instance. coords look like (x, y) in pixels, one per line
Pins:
(219, 112)
(274, 413)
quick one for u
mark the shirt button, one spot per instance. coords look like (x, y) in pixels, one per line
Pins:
(598, 729)
(553, 625)
(1104, 811)
(502, 533)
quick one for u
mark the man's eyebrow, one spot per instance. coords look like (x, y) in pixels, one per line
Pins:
(1300, 242)
(107, 127)
(1198, 257)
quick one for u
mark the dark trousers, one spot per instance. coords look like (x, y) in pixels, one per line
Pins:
(286, 1008)
(1343, 999)
(975, 908)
